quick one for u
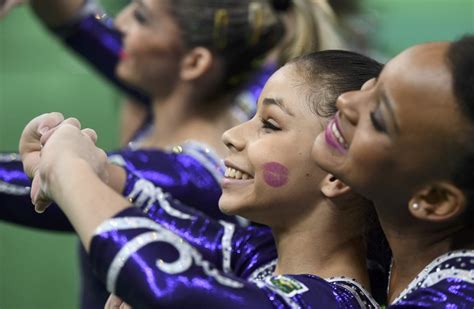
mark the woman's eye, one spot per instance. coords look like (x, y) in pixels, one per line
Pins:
(268, 125)
(377, 120)
(139, 17)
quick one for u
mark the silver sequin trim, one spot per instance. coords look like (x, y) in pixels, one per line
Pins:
(348, 283)
(263, 272)
(214, 166)
(12, 189)
(117, 160)
(160, 234)
(226, 243)
(9, 157)
(421, 279)
(438, 276)
(145, 194)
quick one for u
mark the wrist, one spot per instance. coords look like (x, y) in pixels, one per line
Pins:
(59, 178)
(116, 177)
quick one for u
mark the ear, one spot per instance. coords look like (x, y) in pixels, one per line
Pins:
(332, 187)
(196, 63)
(438, 202)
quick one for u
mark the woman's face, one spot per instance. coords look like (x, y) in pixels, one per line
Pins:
(270, 176)
(398, 132)
(152, 47)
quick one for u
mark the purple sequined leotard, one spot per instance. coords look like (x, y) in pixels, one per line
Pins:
(161, 254)
(447, 282)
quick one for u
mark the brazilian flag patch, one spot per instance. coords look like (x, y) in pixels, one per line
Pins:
(287, 286)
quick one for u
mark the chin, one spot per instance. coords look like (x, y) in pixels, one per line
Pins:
(125, 75)
(227, 209)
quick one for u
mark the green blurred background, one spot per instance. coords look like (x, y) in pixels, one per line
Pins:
(39, 269)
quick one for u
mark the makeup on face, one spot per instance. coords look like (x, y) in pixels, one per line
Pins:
(275, 174)
(333, 136)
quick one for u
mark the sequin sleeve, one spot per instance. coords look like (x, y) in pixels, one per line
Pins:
(150, 265)
(231, 248)
(15, 202)
(189, 172)
(93, 36)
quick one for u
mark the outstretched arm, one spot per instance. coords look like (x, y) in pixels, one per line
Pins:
(85, 29)
(56, 12)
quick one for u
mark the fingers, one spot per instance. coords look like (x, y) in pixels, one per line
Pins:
(38, 198)
(91, 134)
(48, 121)
(125, 306)
(48, 130)
(113, 302)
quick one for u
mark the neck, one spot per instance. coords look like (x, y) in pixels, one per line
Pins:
(415, 246)
(178, 118)
(323, 249)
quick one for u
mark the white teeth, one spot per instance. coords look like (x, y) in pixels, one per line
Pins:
(338, 135)
(233, 173)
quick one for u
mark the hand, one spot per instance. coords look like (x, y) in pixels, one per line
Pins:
(30, 147)
(7, 5)
(115, 302)
(46, 147)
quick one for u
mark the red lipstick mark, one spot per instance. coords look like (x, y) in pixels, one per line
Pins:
(275, 174)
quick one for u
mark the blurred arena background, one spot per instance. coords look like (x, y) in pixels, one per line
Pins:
(37, 75)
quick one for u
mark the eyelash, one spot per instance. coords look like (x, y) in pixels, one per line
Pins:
(139, 17)
(267, 125)
(376, 122)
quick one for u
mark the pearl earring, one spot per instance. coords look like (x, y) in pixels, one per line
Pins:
(415, 206)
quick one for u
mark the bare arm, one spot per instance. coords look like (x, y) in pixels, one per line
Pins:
(56, 12)
(84, 198)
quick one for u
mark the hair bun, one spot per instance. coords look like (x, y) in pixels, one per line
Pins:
(281, 5)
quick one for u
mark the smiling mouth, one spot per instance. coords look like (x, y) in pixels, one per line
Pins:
(233, 173)
(338, 135)
(334, 136)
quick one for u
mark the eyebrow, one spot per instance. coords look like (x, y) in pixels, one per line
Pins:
(278, 102)
(140, 3)
(388, 104)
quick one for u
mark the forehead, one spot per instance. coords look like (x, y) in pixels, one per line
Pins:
(289, 87)
(286, 83)
(419, 75)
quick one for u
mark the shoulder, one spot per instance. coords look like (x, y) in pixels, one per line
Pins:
(447, 281)
(309, 291)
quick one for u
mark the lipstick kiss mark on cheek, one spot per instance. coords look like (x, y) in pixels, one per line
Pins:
(275, 174)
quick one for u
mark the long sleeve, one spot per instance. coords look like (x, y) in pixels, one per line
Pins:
(225, 244)
(150, 265)
(15, 202)
(190, 173)
(93, 37)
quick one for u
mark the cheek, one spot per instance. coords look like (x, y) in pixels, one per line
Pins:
(275, 174)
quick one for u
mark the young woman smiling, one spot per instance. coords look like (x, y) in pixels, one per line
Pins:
(405, 142)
